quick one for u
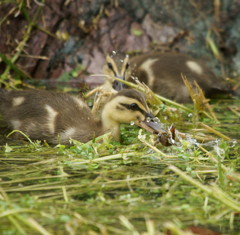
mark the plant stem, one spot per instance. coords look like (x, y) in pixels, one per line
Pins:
(215, 132)
(156, 96)
(213, 191)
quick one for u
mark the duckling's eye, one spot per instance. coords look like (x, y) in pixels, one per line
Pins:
(134, 106)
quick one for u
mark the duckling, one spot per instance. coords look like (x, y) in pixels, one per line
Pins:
(116, 65)
(162, 73)
(56, 117)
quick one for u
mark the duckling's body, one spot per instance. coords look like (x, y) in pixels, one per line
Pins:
(162, 73)
(49, 116)
(56, 117)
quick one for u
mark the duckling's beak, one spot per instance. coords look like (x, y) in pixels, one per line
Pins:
(118, 86)
(150, 124)
(167, 138)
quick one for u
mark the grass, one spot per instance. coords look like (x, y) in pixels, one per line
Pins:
(103, 187)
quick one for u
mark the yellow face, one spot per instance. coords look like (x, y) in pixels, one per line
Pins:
(125, 109)
(115, 66)
(127, 106)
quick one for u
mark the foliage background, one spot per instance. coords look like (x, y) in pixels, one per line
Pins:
(73, 36)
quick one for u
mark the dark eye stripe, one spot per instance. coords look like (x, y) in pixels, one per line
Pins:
(124, 75)
(133, 107)
(110, 66)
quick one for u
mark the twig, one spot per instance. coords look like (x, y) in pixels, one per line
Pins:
(215, 132)
(130, 84)
(234, 111)
(18, 131)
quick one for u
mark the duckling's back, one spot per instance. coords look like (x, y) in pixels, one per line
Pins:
(49, 116)
(162, 72)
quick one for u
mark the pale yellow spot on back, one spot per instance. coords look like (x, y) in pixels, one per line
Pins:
(68, 133)
(79, 102)
(18, 101)
(147, 67)
(194, 67)
(16, 124)
(51, 118)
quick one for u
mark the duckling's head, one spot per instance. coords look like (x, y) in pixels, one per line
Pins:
(117, 65)
(125, 107)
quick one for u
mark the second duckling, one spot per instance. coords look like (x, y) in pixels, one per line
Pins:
(162, 73)
(56, 117)
(116, 66)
